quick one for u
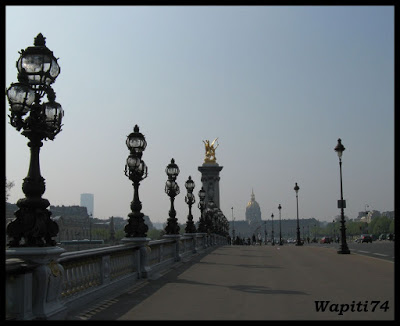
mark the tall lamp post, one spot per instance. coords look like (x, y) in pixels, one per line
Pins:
(280, 226)
(344, 249)
(172, 190)
(265, 232)
(315, 232)
(190, 200)
(273, 239)
(202, 225)
(37, 70)
(233, 228)
(136, 171)
(90, 227)
(296, 189)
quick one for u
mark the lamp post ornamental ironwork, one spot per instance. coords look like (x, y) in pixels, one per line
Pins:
(190, 200)
(273, 240)
(280, 226)
(298, 242)
(37, 70)
(136, 171)
(201, 206)
(172, 190)
(233, 228)
(344, 249)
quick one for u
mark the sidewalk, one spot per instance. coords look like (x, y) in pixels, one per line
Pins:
(262, 283)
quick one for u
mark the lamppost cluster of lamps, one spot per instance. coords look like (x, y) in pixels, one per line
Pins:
(37, 70)
(33, 227)
(212, 220)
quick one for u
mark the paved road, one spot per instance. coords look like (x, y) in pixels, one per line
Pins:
(261, 283)
(381, 249)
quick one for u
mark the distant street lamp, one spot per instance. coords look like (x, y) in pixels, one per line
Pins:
(233, 229)
(37, 70)
(90, 227)
(136, 171)
(265, 232)
(190, 200)
(280, 227)
(273, 240)
(334, 231)
(296, 189)
(202, 223)
(172, 190)
(315, 232)
(341, 203)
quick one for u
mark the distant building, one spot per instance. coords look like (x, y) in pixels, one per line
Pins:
(87, 200)
(389, 214)
(253, 211)
(368, 216)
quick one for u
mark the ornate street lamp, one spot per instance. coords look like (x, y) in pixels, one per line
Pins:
(280, 226)
(172, 190)
(296, 189)
(37, 70)
(344, 249)
(201, 206)
(190, 200)
(136, 171)
(273, 240)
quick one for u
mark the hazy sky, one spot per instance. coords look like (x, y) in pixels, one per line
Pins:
(277, 85)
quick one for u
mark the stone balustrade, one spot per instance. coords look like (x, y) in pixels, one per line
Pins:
(73, 279)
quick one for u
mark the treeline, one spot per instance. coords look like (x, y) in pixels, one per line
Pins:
(376, 227)
(152, 233)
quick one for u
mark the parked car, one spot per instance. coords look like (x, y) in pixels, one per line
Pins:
(366, 238)
(325, 240)
(382, 237)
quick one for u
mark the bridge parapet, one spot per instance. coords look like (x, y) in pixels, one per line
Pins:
(88, 275)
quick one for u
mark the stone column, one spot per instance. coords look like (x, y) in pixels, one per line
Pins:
(210, 180)
(47, 279)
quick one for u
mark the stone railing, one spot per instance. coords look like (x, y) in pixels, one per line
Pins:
(43, 283)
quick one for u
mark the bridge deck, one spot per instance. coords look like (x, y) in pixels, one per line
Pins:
(259, 283)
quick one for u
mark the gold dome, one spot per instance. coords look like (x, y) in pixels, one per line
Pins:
(252, 201)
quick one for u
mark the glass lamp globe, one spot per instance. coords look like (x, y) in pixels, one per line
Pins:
(20, 97)
(39, 63)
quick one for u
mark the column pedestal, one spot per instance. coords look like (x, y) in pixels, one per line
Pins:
(47, 280)
(144, 251)
(175, 237)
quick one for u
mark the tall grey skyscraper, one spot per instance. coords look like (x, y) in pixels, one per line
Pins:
(87, 200)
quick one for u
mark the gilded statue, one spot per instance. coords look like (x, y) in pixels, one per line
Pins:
(210, 150)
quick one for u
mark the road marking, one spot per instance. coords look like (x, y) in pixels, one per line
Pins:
(366, 252)
(381, 259)
(375, 253)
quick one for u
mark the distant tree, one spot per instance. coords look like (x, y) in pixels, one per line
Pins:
(355, 228)
(9, 185)
(391, 226)
(119, 234)
(100, 234)
(154, 234)
(380, 225)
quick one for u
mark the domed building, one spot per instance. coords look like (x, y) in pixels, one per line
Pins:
(253, 211)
